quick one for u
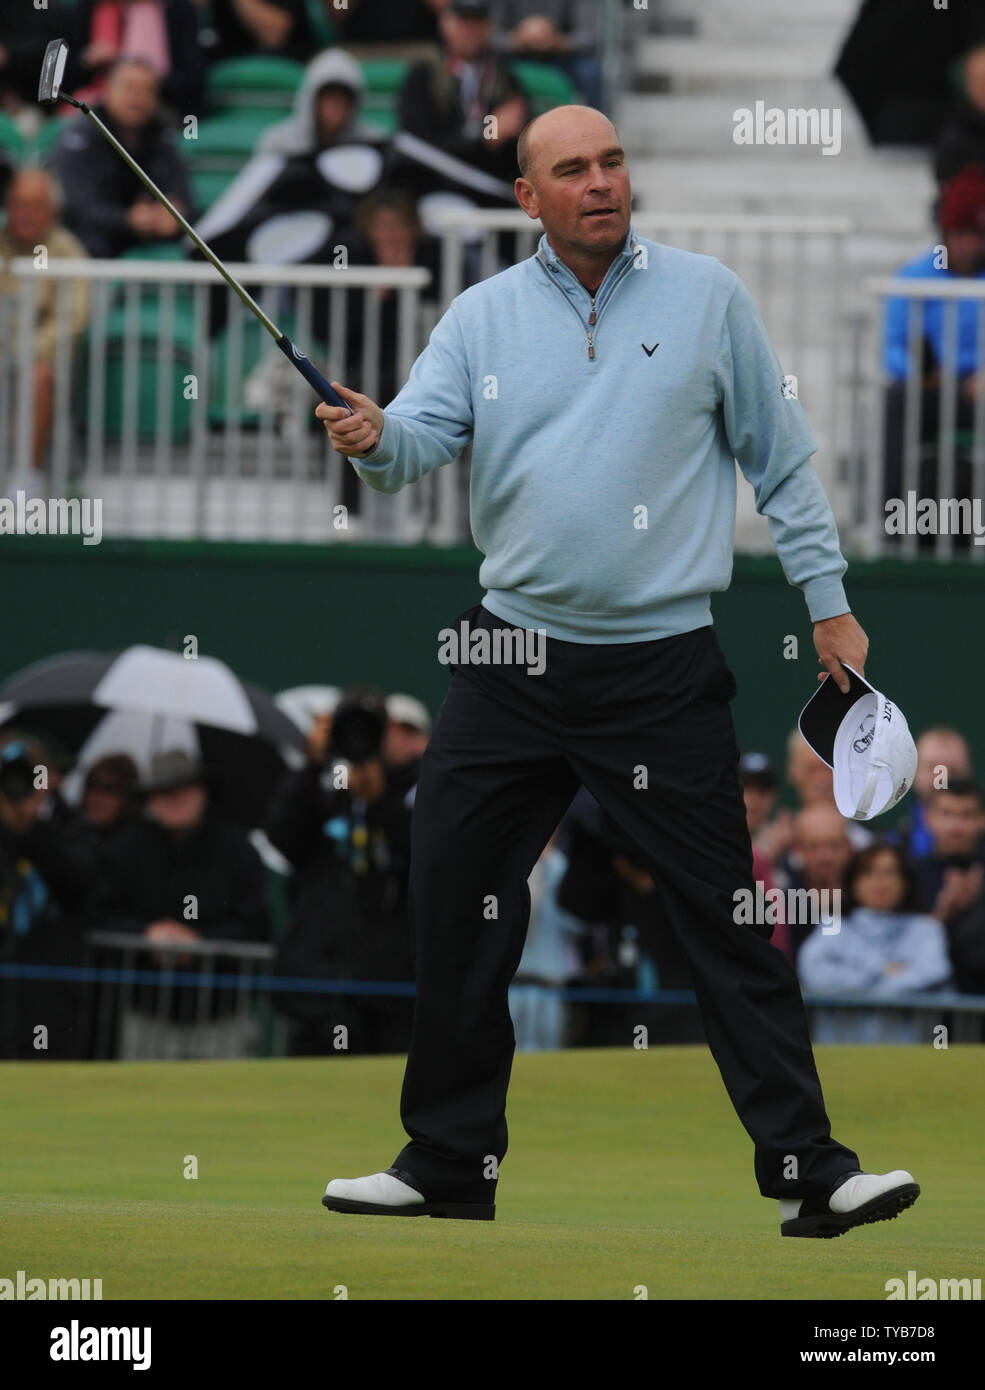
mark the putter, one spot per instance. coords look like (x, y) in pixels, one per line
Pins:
(49, 91)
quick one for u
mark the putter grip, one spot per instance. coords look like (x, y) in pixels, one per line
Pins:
(311, 373)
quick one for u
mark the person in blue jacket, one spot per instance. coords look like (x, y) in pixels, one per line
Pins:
(608, 384)
(960, 256)
(884, 948)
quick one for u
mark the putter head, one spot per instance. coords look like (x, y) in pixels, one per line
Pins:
(52, 71)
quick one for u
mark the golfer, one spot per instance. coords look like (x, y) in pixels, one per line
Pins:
(608, 384)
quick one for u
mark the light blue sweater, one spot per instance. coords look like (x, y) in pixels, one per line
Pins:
(603, 482)
(853, 960)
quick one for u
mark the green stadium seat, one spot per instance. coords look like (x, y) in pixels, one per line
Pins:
(387, 122)
(224, 143)
(208, 185)
(11, 138)
(149, 332)
(153, 251)
(161, 251)
(384, 79)
(226, 405)
(46, 137)
(546, 86)
(253, 82)
(384, 75)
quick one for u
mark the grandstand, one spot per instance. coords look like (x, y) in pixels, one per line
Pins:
(704, 59)
(804, 233)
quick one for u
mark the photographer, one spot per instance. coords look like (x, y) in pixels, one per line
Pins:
(343, 822)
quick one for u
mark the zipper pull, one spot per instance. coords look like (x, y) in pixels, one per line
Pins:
(591, 349)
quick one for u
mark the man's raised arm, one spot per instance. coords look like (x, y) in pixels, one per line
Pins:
(428, 423)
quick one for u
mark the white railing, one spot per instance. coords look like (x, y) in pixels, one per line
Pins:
(905, 457)
(186, 428)
(240, 458)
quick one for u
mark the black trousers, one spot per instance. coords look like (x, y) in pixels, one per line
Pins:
(646, 726)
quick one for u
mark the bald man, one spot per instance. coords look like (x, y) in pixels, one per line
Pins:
(607, 383)
(62, 308)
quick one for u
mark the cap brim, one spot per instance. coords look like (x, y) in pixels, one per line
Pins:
(822, 716)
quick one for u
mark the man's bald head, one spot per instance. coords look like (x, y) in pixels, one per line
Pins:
(822, 841)
(32, 203)
(33, 183)
(576, 183)
(560, 126)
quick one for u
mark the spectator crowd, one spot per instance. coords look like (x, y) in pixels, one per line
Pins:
(156, 855)
(322, 178)
(153, 857)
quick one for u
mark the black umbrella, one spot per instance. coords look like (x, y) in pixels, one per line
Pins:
(145, 700)
(895, 65)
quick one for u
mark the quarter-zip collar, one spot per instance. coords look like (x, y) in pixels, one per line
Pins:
(573, 290)
(553, 263)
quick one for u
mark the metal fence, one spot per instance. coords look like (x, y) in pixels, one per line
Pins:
(912, 1018)
(131, 992)
(122, 972)
(919, 438)
(180, 413)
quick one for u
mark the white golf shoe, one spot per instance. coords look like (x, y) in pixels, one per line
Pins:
(387, 1194)
(858, 1199)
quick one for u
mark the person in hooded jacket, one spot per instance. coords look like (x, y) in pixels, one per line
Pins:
(317, 163)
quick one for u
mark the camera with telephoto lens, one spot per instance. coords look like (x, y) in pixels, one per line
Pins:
(359, 725)
(16, 772)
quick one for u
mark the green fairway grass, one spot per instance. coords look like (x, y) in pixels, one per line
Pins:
(626, 1168)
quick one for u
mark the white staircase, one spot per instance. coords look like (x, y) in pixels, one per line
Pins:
(699, 61)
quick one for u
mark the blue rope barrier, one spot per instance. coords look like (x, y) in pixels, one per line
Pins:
(84, 974)
(971, 1003)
